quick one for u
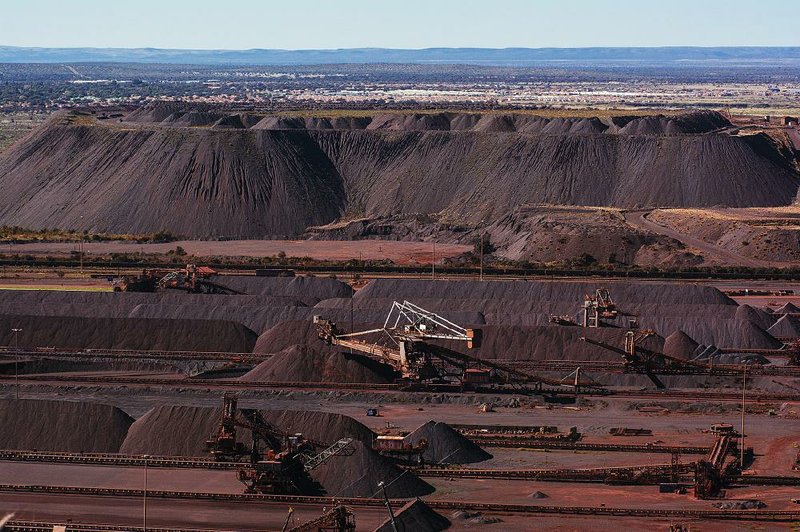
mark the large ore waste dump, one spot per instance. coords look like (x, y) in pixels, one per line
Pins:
(207, 173)
(456, 403)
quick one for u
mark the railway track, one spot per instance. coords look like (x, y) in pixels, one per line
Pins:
(535, 366)
(560, 475)
(655, 473)
(41, 526)
(488, 507)
(119, 460)
(131, 354)
(721, 370)
(220, 384)
(538, 443)
(123, 460)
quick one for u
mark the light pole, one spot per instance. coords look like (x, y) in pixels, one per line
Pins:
(144, 495)
(382, 486)
(16, 332)
(744, 389)
(81, 245)
(483, 236)
(433, 264)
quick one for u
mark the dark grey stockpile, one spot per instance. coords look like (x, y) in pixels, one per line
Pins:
(302, 288)
(788, 308)
(787, 326)
(572, 291)
(172, 430)
(268, 302)
(446, 446)
(127, 333)
(358, 475)
(301, 363)
(183, 430)
(62, 426)
(680, 345)
(703, 312)
(415, 516)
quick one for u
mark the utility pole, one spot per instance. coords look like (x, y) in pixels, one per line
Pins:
(352, 321)
(382, 486)
(483, 235)
(741, 442)
(144, 495)
(433, 264)
(16, 332)
(81, 245)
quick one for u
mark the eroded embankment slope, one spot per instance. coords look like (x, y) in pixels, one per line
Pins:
(265, 176)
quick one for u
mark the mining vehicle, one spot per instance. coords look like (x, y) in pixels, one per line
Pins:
(396, 448)
(192, 279)
(284, 463)
(409, 342)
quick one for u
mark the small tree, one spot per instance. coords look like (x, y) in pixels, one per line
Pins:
(488, 247)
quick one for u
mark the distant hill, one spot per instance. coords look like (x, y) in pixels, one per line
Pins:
(485, 56)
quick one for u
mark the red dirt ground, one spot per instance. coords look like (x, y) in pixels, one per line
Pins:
(398, 252)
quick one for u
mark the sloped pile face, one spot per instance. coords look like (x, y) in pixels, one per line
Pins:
(168, 113)
(127, 333)
(300, 363)
(680, 345)
(538, 291)
(765, 320)
(788, 308)
(446, 446)
(276, 177)
(191, 181)
(310, 290)
(266, 302)
(183, 431)
(62, 426)
(358, 475)
(325, 427)
(417, 516)
(172, 430)
(788, 326)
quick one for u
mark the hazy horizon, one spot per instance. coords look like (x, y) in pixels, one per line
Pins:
(410, 25)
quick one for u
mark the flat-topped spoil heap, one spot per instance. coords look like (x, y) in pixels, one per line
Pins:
(279, 176)
(62, 426)
(126, 333)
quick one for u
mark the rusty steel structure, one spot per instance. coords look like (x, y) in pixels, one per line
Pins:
(338, 519)
(597, 307)
(410, 342)
(284, 463)
(192, 279)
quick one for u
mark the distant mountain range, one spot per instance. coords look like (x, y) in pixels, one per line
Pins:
(481, 56)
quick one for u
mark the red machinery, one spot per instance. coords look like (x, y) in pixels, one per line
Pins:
(192, 279)
(286, 460)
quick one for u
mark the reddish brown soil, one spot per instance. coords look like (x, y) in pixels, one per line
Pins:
(397, 252)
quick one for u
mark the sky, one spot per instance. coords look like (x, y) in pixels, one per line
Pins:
(315, 24)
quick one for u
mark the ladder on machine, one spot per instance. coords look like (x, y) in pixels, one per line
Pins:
(337, 448)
